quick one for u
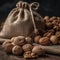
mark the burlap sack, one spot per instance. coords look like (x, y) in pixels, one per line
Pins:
(22, 21)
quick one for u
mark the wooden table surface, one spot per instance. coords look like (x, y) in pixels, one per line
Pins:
(4, 56)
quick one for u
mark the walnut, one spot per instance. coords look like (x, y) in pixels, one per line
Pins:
(59, 25)
(54, 39)
(34, 55)
(17, 50)
(8, 48)
(57, 33)
(44, 41)
(51, 31)
(55, 22)
(6, 42)
(29, 54)
(27, 47)
(37, 38)
(29, 40)
(53, 18)
(37, 50)
(12, 39)
(58, 18)
(56, 28)
(46, 18)
(49, 25)
(20, 40)
(48, 34)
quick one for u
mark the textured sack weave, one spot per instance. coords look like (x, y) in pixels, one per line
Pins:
(19, 21)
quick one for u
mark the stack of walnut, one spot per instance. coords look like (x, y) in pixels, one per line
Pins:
(21, 45)
(52, 32)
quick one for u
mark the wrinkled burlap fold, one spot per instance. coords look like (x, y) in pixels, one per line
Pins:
(22, 20)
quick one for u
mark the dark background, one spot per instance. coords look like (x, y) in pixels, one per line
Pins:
(47, 7)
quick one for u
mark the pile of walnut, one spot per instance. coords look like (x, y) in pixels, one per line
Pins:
(52, 32)
(21, 45)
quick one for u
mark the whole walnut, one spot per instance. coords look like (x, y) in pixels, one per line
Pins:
(54, 39)
(27, 47)
(27, 55)
(57, 33)
(46, 18)
(47, 34)
(55, 22)
(12, 39)
(37, 38)
(20, 40)
(44, 41)
(56, 28)
(49, 25)
(17, 50)
(8, 48)
(6, 42)
(29, 40)
(53, 18)
(59, 24)
(58, 18)
(34, 55)
(38, 50)
(51, 31)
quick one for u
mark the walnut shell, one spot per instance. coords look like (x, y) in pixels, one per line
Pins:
(57, 33)
(34, 55)
(29, 40)
(27, 47)
(37, 38)
(12, 39)
(59, 24)
(54, 39)
(55, 22)
(8, 48)
(48, 34)
(38, 50)
(49, 25)
(53, 18)
(20, 40)
(6, 42)
(17, 50)
(46, 18)
(56, 28)
(44, 41)
(27, 55)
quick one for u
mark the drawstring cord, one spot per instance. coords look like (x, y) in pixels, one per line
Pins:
(33, 6)
(36, 7)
